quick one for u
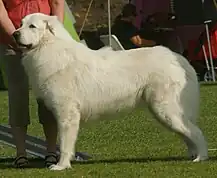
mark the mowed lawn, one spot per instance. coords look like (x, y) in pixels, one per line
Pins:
(132, 146)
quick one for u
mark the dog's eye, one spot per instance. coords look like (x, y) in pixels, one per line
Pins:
(32, 26)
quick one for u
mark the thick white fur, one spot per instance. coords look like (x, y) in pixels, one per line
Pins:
(78, 83)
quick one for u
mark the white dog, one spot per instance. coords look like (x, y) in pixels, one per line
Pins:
(78, 83)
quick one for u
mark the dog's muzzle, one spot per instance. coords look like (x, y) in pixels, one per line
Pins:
(16, 35)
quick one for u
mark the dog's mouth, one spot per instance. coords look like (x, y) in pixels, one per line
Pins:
(24, 46)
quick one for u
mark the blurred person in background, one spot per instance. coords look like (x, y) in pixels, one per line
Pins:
(126, 32)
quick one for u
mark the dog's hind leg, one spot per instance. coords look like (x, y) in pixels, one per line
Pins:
(193, 136)
(68, 122)
(192, 150)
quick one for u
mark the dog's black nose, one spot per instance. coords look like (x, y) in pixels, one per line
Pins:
(16, 35)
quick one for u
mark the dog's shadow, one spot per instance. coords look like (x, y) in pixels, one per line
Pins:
(6, 163)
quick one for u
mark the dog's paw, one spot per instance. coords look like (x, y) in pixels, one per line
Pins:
(200, 158)
(56, 167)
(192, 154)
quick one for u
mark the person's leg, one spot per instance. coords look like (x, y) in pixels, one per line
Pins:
(49, 123)
(18, 93)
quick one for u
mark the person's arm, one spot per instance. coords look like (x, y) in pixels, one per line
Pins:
(57, 8)
(136, 39)
(5, 23)
(141, 42)
(148, 43)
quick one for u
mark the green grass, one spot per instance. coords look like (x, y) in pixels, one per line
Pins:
(134, 146)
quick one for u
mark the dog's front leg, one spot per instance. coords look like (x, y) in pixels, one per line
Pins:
(68, 123)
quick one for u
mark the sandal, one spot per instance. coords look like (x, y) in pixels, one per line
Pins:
(51, 159)
(21, 162)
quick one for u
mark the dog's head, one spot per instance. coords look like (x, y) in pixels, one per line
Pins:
(34, 28)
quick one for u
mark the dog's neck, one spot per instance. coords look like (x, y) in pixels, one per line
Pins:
(39, 63)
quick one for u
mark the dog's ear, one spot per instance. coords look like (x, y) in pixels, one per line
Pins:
(50, 23)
